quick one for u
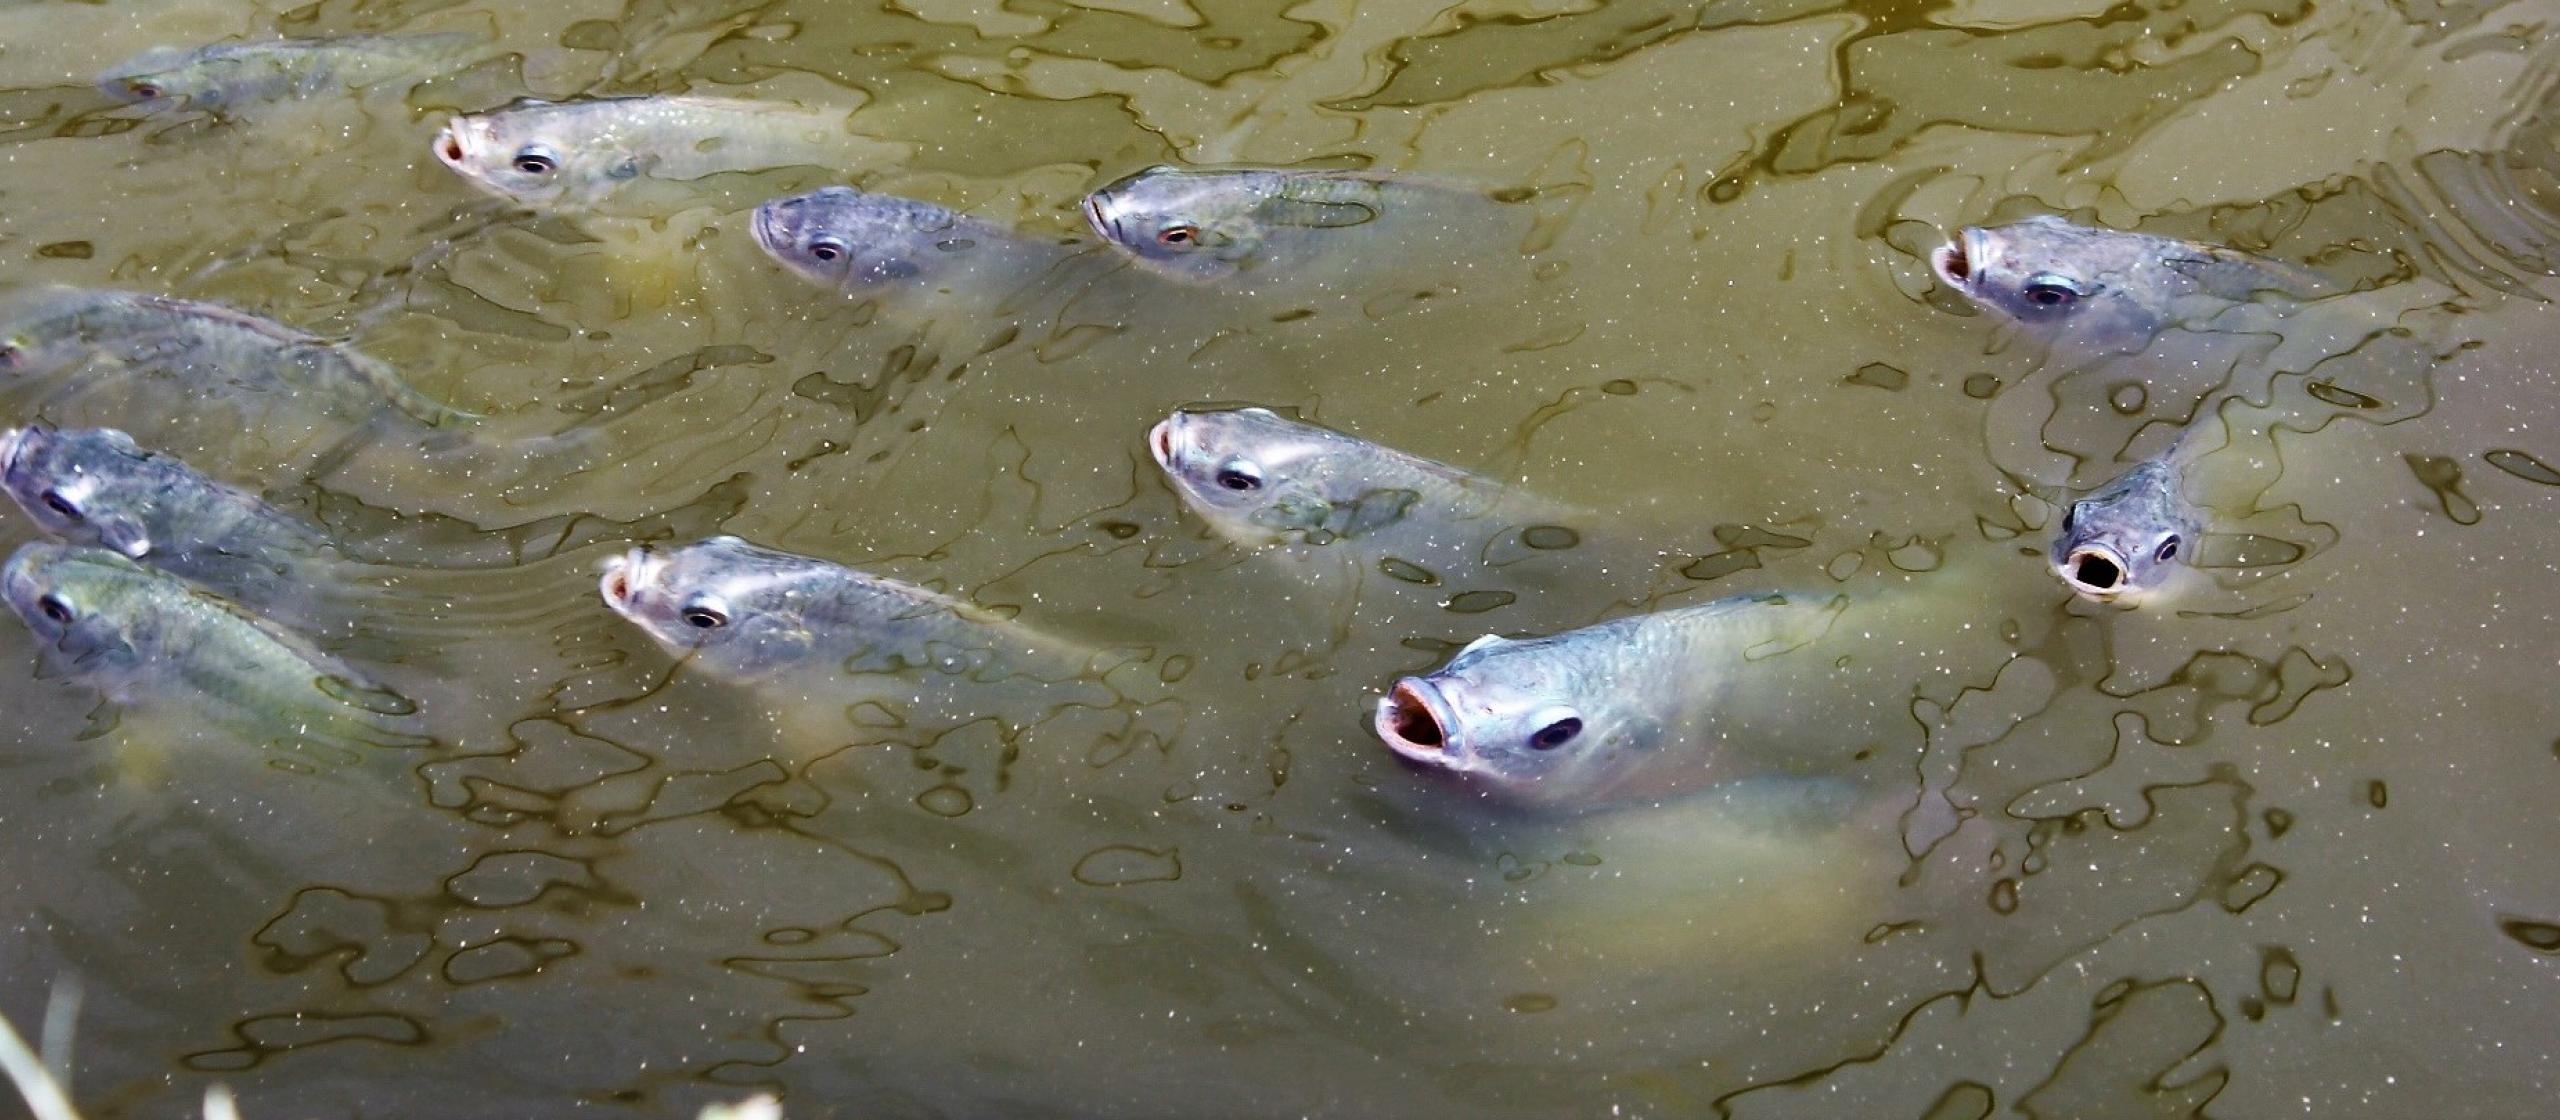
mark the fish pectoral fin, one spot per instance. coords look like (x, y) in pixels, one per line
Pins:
(631, 166)
(1306, 213)
(102, 720)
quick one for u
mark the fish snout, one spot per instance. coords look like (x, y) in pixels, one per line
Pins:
(457, 142)
(1097, 214)
(774, 221)
(626, 578)
(11, 440)
(1413, 721)
(1164, 441)
(1957, 261)
(2094, 571)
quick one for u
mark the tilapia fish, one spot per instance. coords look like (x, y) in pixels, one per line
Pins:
(849, 239)
(96, 487)
(748, 613)
(1263, 478)
(2130, 537)
(1208, 224)
(212, 350)
(145, 638)
(579, 154)
(1642, 705)
(227, 76)
(2106, 286)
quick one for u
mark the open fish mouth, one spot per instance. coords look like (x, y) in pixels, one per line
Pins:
(625, 578)
(1956, 261)
(1413, 720)
(2095, 571)
(1162, 441)
(456, 142)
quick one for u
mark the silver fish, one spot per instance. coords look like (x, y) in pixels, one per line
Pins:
(845, 238)
(1263, 478)
(579, 154)
(96, 487)
(208, 347)
(2102, 285)
(1647, 703)
(2128, 537)
(746, 612)
(227, 76)
(1208, 224)
(146, 638)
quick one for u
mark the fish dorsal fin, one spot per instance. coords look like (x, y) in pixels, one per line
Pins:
(1314, 203)
(2238, 277)
(1489, 641)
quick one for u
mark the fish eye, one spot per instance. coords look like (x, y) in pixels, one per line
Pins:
(1556, 733)
(703, 618)
(2168, 550)
(12, 354)
(147, 91)
(2049, 290)
(535, 161)
(57, 609)
(1179, 237)
(828, 249)
(53, 500)
(1239, 475)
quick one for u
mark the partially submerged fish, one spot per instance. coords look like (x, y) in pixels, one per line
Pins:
(1207, 224)
(845, 238)
(2130, 536)
(1678, 698)
(1264, 478)
(210, 349)
(579, 153)
(147, 638)
(96, 487)
(751, 613)
(226, 76)
(2105, 286)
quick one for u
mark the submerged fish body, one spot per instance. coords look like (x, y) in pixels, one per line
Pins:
(96, 487)
(2129, 537)
(2105, 286)
(577, 154)
(147, 638)
(1208, 224)
(1643, 704)
(745, 612)
(850, 239)
(227, 76)
(212, 349)
(1263, 478)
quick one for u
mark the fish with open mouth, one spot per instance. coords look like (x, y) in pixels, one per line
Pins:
(2130, 537)
(580, 154)
(146, 638)
(2103, 286)
(1643, 705)
(226, 77)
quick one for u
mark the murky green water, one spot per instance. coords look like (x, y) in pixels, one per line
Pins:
(2279, 847)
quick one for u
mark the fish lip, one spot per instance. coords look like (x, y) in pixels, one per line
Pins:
(626, 579)
(2069, 570)
(1160, 441)
(12, 440)
(1414, 697)
(766, 227)
(1960, 260)
(1107, 227)
(455, 142)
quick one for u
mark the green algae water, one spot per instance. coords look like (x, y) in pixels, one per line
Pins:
(2277, 844)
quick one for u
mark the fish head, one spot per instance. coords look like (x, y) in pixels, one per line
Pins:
(161, 76)
(843, 237)
(719, 597)
(514, 153)
(1257, 475)
(1536, 719)
(2045, 271)
(41, 335)
(2127, 539)
(1205, 224)
(67, 594)
(84, 485)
